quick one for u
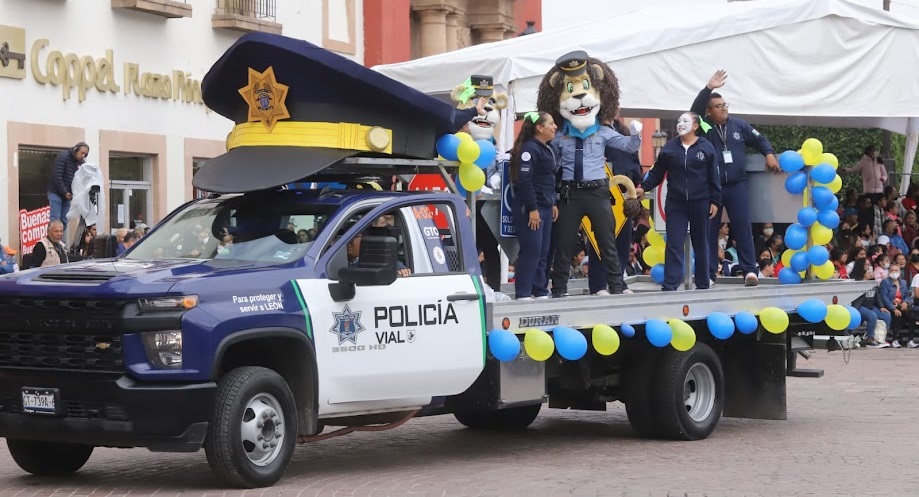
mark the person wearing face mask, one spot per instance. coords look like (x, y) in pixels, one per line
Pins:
(897, 299)
(762, 241)
(730, 137)
(881, 267)
(693, 198)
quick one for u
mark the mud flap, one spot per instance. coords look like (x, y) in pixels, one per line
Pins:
(754, 380)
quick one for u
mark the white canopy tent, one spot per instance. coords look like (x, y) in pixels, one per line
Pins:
(795, 62)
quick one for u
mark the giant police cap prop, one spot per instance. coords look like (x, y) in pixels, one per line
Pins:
(299, 108)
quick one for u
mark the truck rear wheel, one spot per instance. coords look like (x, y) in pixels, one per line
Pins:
(511, 418)
(689, 393)
(48, 458)
(253, 431)
(639, 394)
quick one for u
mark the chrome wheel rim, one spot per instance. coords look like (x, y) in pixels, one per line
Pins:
(261, 429)
(699, 392)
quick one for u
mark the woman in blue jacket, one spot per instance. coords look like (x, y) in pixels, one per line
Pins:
(693, 197)
(533, 179)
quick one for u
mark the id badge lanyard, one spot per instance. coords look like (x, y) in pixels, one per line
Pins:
(723, 134)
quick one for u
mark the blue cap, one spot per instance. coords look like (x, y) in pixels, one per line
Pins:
(299, 108)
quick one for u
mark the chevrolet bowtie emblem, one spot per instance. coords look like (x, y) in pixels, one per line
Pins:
(103, 345)
(6, 56)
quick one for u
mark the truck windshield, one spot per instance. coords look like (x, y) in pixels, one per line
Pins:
(251, 228)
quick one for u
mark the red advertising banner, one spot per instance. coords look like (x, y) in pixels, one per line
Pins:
(33, 225)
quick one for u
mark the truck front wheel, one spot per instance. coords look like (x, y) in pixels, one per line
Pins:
(689, 393)
(511, 418)
(253, 430)
(48, 458)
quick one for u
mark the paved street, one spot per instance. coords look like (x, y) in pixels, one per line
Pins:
(853, 432)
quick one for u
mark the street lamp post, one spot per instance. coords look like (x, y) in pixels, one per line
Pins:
(658, 139)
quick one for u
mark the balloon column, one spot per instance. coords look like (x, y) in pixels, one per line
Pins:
(473, 155)
(815, 222)
(653, 255)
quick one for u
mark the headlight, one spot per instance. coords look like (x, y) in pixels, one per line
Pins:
(177, 303)
(164, 348)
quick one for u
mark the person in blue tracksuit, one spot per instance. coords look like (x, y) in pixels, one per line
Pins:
(731, 136)
(629, 165)
(693, 197)
(533, 179)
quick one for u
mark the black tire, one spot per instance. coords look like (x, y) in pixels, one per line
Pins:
(689, 393)
(245, 397)
(511, 418)
(639, 396)
(49, 458)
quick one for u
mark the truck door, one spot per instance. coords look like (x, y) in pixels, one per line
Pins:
(419, 337)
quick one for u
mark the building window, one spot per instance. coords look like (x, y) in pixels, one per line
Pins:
(260, 9)
(35, 167)
(130, 201)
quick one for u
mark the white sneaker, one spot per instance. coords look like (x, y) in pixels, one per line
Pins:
(601, 293)
(627, 292)
(524, 299)
(750, 279)
(542, 297)
(896, 344)
(912, 344)
(711, 283)
(883, 345)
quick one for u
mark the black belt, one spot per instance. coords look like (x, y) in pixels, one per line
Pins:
(586, 185)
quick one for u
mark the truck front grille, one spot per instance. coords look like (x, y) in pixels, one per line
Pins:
(61, 334)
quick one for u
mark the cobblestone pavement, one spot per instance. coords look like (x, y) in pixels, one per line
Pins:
(852, 432)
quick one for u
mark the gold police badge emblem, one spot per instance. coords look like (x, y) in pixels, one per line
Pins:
(265, 97)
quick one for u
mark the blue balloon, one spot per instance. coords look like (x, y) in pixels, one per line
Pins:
(818, 255)
(855, 317)
(823, 197)
(799, 262)
(828, 218)
(504, 345)
(746, 322)
(487, 154)
(796, 183)
(627, 330)
(570, 343)
(788, 276)
(791, 161)
(796, 237)
(807, 216)
(823, 173)
(657, 273)
(812, 310)
(658, 332)
(720, 325)
(832, 206)
(447, 145)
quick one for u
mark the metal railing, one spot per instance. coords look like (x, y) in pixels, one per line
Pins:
(260, 9)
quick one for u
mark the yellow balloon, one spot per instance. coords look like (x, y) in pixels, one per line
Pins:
(605, 339)
(775, 320)
(786, 257)
(538, 344)
(825, 271)
(653, 255)
(813, 147)
(463, 136)
(655, 239)
(468, 152)
(820, 234)
(828, 158)
(471, 177)
(684, 337)
(835, 185)
(837, 317)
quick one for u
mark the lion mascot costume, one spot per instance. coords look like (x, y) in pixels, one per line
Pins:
(582, 95)
(488, 202)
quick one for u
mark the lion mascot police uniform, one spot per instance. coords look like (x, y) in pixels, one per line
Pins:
(487, 126)
(582, 94)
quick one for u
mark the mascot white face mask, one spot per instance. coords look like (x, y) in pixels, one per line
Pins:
(484, 127)
(580, 102)
(481, 127)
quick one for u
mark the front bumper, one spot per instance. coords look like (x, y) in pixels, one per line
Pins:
(109, 410)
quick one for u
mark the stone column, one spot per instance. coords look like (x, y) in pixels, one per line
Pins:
(433, 31)
(490, 34)
(452, 28)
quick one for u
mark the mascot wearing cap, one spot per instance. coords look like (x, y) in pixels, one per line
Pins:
(485, 124)
(582, 94)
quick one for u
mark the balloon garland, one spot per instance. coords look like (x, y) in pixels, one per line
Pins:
(473, 155)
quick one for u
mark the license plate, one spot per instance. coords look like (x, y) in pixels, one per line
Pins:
(39, 400)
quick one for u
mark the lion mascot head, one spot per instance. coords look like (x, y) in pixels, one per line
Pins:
(579, 91)
(485, 127)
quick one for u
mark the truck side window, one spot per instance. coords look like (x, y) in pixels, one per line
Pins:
(437, 241)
